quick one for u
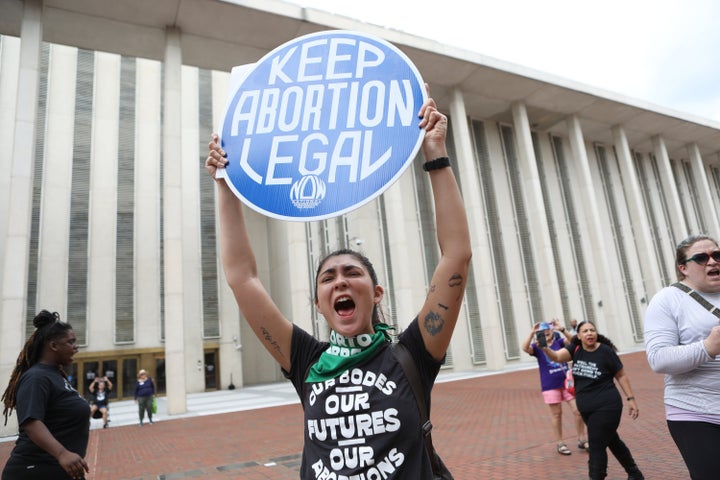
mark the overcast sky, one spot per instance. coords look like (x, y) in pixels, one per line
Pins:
(665, 52)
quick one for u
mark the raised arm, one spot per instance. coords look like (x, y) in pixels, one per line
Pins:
(559, 327)
(559, 356)
(527, 344)
(440, 311)
(238, 259)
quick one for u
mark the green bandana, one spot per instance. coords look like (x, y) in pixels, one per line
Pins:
(346, 352)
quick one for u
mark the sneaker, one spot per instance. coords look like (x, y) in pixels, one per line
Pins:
(141, 423)
(562, 449)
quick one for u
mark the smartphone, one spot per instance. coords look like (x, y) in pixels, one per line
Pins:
(540, 338)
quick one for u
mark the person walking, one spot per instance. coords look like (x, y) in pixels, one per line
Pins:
(552, 381)
(360, 415)
(53, 418)
(682, 341)
(596, 366)
(144, 395)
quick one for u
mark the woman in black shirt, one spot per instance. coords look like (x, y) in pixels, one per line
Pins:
(595, 367)
(54, 419)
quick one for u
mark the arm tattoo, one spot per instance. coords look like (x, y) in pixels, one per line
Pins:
(455, 280)
(269, 339)
(433, 323)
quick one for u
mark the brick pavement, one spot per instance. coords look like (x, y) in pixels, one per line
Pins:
(493, 427)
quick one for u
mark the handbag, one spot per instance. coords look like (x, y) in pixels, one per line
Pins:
(154, 405)
(570, 382)
(439, 469)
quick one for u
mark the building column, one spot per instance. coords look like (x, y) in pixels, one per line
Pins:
(173, 226)
(17, 240)
(403, 276)
(148, 145)
(102, 216)
(643, 246)
(192, 259)
(57, 180)
(231, 359)
(669, 190)
(541, 244)
(602, 297)
(9, 68)
(492, 328)
(705, 200)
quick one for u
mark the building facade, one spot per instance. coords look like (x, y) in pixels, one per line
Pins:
(576, 197)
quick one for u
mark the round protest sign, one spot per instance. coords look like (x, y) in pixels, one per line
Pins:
(322, 125)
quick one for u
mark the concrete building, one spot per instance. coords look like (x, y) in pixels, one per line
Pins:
(576, 196)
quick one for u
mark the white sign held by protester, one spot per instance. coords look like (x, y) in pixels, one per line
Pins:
(321, 125)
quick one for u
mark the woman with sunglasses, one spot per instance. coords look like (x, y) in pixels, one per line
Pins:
(682, 340)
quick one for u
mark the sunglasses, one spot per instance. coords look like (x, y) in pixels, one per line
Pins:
(703, 258)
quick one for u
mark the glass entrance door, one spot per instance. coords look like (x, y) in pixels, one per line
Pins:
(211, 370)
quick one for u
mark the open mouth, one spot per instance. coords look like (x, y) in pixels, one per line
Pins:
(714, 273)
(344, 306)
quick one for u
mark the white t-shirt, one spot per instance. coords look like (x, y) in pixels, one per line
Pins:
(674, 328)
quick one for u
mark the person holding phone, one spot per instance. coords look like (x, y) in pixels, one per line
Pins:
(100, 389)
(552, 380)
(682, 341)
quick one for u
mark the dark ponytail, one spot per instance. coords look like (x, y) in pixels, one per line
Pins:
(48, 328)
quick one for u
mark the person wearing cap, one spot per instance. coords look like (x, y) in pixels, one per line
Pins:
(144, 394)
(552, 381)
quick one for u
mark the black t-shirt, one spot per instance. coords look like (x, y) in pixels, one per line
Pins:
(44, 394)
(594, 374)
(364, 423)
(100, 398)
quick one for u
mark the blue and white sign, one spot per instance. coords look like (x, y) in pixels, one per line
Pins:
(322, 125)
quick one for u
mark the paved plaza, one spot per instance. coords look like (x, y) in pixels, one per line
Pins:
(489, 427)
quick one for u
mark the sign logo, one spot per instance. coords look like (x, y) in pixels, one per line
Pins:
(322, 125)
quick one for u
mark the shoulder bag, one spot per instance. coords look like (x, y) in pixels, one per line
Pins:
(698, 298)
(440, 471)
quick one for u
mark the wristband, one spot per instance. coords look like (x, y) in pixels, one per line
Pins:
(630, 398)
(438, 163)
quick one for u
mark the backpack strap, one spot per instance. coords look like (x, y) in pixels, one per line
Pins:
(402, 355)
(698, 298)
(404, 358)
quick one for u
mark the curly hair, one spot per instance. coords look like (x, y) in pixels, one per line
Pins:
(48, 328)
(600, 338)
